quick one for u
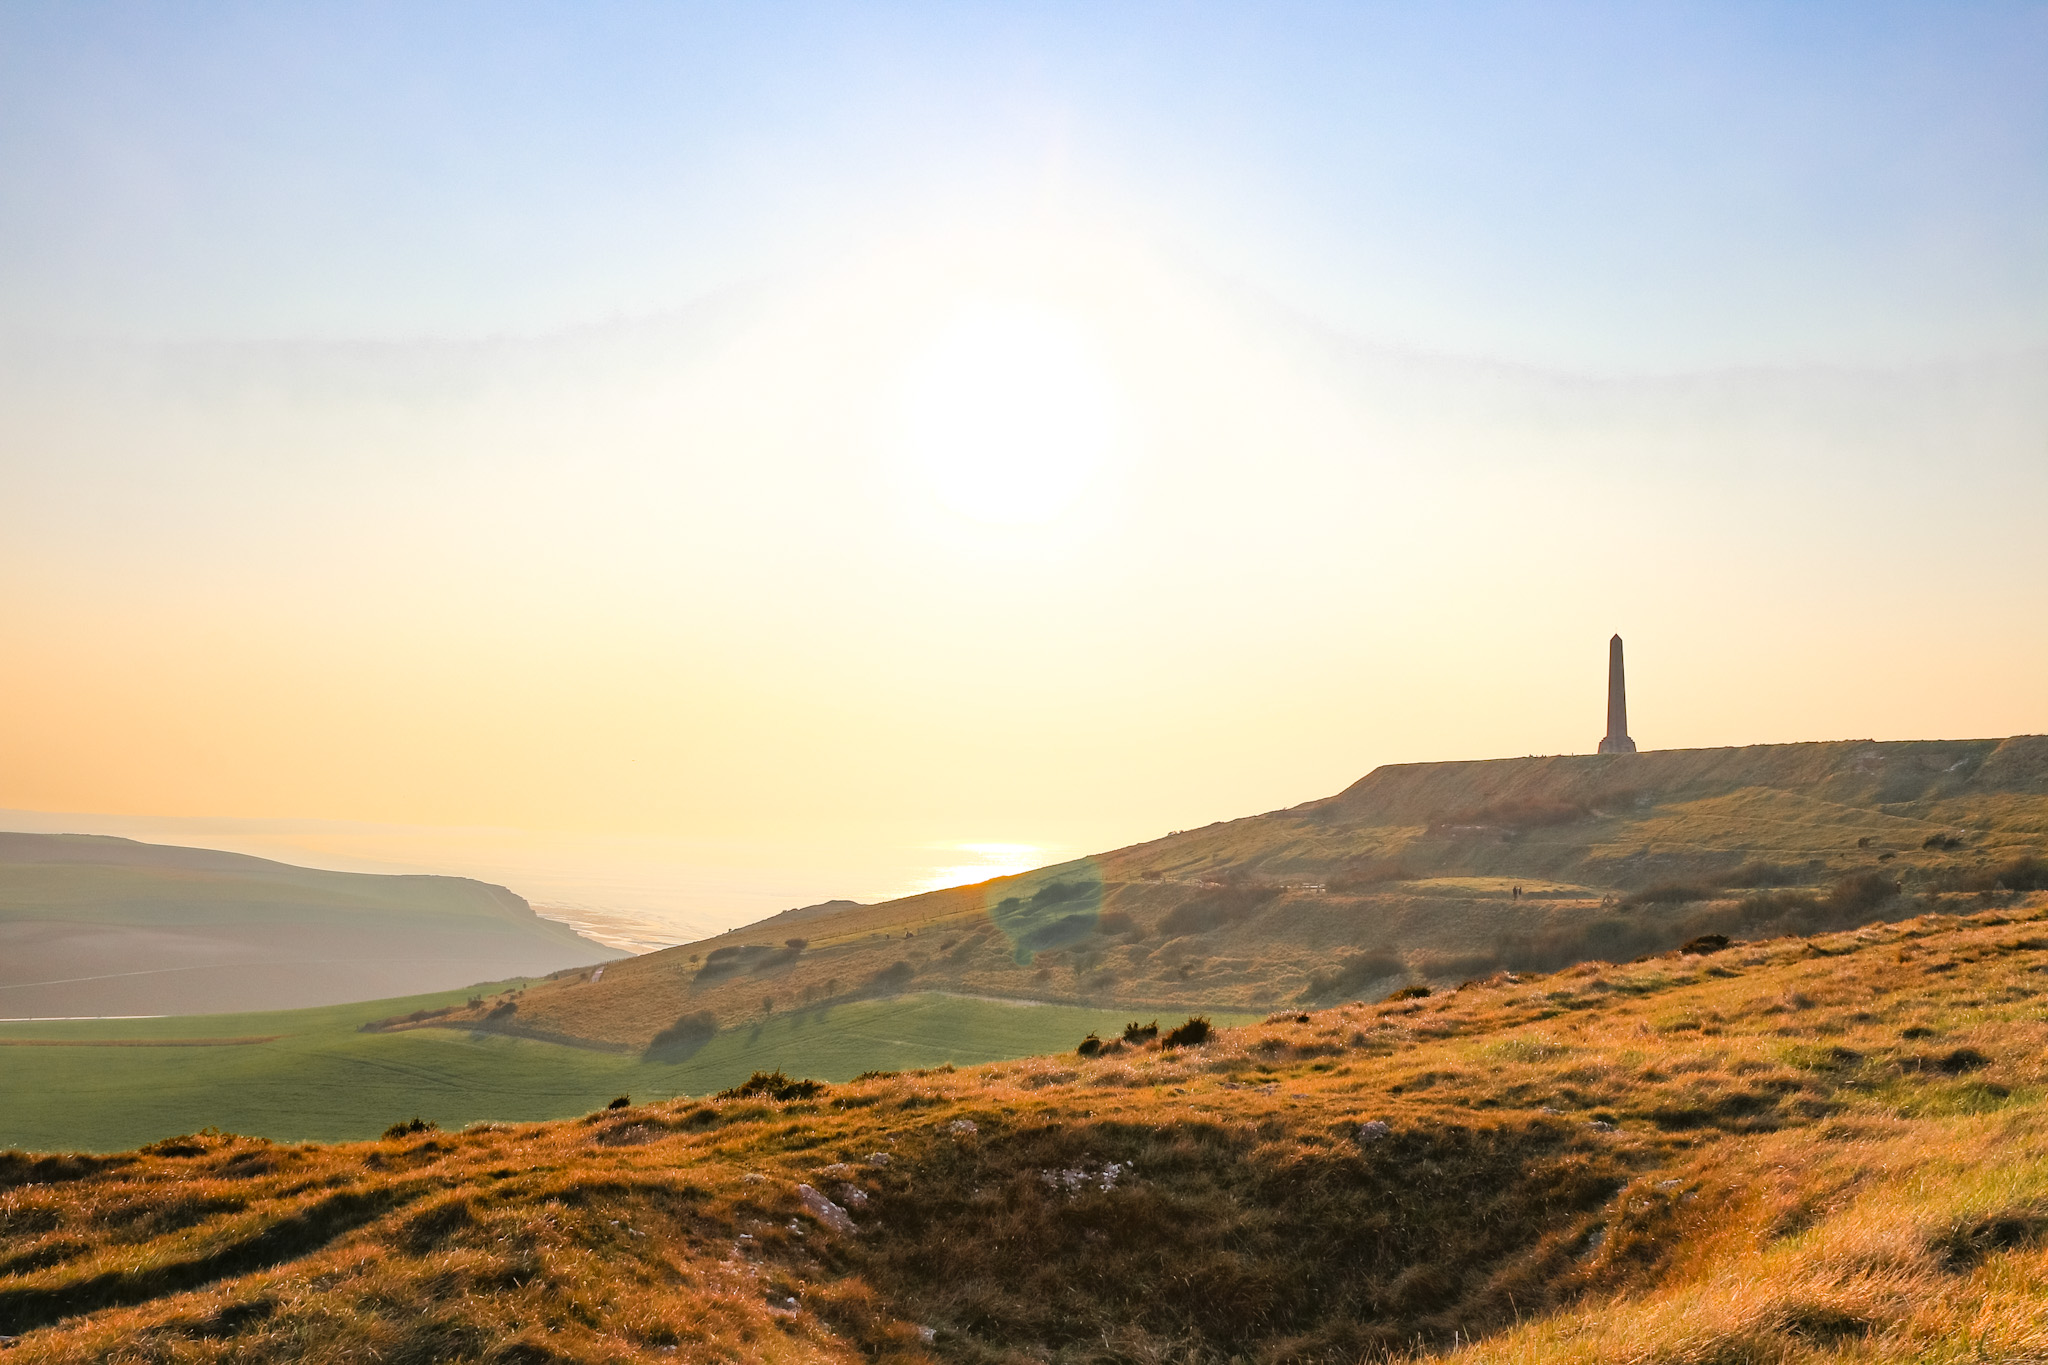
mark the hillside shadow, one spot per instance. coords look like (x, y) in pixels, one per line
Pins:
(1062, 909)
(1311, 1247)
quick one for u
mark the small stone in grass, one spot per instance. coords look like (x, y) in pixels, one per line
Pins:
(824, 1210)
(1374, 1130)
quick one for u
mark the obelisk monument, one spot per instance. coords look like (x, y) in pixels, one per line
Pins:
(1617, 741)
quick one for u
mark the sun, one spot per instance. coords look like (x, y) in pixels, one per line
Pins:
(1009, 413)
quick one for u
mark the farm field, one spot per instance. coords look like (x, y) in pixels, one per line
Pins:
(104, 1085)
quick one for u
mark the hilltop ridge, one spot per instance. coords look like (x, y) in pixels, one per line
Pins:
(1427, 872)
(1861, 773)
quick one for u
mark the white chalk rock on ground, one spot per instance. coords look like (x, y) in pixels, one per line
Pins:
(824, 1210)
(1374, 1130)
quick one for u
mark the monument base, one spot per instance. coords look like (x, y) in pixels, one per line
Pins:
(1617, 744)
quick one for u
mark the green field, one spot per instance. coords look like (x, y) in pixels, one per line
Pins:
(317, 1077)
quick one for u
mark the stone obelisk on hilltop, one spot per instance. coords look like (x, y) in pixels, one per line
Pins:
(1617, 741)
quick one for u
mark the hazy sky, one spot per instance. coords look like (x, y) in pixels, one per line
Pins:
(851, 433)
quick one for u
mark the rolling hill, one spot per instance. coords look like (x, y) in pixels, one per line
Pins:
(1804, 1150)
(1433, 872)
(1407, 877)
(93, 925)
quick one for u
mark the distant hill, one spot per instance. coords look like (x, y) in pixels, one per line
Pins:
(1410, 875)
(93, 925)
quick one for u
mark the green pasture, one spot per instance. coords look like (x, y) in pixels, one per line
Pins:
(319, 1078)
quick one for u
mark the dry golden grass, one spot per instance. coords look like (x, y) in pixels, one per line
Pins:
(1415, 862)
(1801, 1149)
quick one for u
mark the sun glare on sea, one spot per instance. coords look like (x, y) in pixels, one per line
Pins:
(990, 860)
(1009, 413)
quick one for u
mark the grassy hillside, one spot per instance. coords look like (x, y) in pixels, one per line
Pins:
(1802, 1150)
(1412, 874)
(104, 1085)
(91, 925)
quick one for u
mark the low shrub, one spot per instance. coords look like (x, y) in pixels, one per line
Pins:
(1348, 978)
(1193, 1033)
(1852, 899)
(2028, 872)
(1753, 875)
(1137, 1034)
(773, 1085)
(1776, 905)
(1213, 910)
(1410, 993)
(690, 1031)
(1453, 966)
(735, 958)
(1090, 1045)
(1362, 873)
(1060, 932)
(622, 1102)
(409, 1127)
(1859, 893)
(891, 978)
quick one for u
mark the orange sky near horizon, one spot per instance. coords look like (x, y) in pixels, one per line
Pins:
(700, 459)
(703, 583)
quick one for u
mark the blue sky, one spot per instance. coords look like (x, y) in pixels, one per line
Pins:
(1636, 186)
